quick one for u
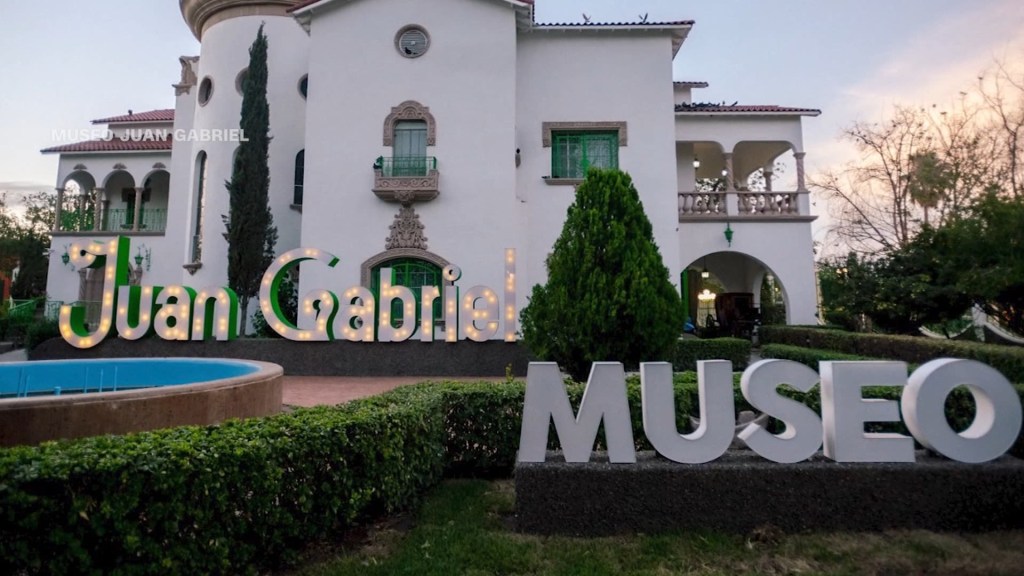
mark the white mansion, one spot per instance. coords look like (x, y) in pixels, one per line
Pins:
(413, 135)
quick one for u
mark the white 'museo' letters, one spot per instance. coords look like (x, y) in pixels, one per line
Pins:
(844, 410)
(802, 436)
(717, 418)
(997, 419)
(604, 399)
(993, 431)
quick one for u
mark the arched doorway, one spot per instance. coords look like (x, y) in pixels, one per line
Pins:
(730, 293)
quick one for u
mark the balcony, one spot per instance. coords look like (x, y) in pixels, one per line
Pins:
(115, 220)
(768, 206)
(406, 179)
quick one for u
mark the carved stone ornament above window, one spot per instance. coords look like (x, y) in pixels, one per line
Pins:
(548, 127)
(409, 110)
(406, 230)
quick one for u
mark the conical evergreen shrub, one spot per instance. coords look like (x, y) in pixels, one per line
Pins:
(608, 296)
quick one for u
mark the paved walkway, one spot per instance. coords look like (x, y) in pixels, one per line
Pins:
(14, 356)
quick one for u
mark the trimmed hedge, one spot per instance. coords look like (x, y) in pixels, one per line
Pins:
(688, 351)
(224, 499)
(807, 356)
(911, 349)
(246, 495)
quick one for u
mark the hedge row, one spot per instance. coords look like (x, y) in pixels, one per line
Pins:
(911, 349)
(688, 351)
(216, 500)
(807, 356)
(246, 495)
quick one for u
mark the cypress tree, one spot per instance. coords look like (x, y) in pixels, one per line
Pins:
(250, 225)
(608, 296)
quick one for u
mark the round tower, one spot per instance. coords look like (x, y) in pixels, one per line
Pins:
(226, 29)
(201, 14)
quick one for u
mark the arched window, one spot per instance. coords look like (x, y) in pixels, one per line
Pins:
(300, 177)
(200, 204)
(414, 274)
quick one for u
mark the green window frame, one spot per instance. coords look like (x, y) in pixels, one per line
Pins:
(410, 149)
(414, 274)
(572, 153)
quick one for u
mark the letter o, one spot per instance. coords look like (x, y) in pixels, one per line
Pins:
(997, 419)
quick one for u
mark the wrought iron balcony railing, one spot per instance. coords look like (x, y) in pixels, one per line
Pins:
(405, 179)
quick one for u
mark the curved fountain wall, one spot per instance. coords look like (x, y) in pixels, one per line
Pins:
(162, 400)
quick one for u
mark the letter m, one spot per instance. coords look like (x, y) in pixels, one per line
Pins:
(603, 400)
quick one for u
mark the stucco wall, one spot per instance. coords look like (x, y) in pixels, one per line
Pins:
(467, 78)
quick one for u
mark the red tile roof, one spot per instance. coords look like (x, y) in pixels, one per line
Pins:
(614, 24)
(165, 115)
(748, 109)
(114, 144)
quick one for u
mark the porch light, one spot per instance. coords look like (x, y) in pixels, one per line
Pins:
(728, 234)
(704, 273)
(696, 163)
(138, 259)
(65, 258)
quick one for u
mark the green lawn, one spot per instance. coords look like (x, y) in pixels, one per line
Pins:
(466, 527)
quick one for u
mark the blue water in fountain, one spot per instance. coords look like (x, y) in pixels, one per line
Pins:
(57, 377)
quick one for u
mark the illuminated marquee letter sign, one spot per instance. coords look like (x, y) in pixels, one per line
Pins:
(184, 313)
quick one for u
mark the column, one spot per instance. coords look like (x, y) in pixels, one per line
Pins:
(138, 209)
(58, 210)
(802, 195)
(730, 185)
(731, 199)
(769, 173)
(82, 197)
(99, 197)
(801, 185)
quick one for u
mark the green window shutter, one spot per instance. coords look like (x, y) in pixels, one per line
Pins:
(413, 274)
(573, 153)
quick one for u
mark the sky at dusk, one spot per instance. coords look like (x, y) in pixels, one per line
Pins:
(65, 62)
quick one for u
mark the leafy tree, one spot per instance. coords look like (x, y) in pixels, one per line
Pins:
(250, 224)
(895, 292)
(24, 242)
(917, 285)
(987, 252)
(608, 295)
(847, 285)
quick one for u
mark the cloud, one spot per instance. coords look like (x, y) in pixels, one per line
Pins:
(24, 187)
(933, 67)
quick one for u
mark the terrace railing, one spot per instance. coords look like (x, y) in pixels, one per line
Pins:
(115, 220)
(734, 204)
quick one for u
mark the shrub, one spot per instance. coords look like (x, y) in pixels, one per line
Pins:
(807, 356)
(608, 294)
(911, 349)
(244, 495)
(39, 332)
(688, 351)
